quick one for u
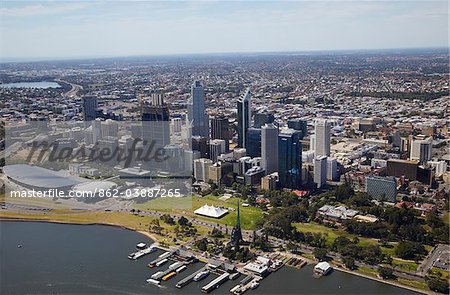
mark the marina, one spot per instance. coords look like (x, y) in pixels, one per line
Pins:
(118, 273)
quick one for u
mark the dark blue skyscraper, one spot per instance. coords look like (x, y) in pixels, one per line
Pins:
(253, 142)
(244, 116)
(196, 111)
(300, 125)
(262, 118)
(289, 158)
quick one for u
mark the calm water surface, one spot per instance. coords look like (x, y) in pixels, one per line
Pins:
(60, 258)
(40, 85)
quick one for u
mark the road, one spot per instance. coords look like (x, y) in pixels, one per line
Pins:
(432, 257)
(72, 93)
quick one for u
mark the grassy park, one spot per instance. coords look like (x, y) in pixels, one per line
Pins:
(186, 206)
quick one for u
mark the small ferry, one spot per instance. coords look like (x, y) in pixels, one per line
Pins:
(161, 262)
(156, 274)
(168, 276)
(141, 246)
(201, 275)
(152, 281)
(142, 252)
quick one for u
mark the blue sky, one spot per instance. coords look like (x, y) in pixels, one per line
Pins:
(63, 29)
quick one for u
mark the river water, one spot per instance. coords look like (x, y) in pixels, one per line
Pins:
(62, 258)
(39, 85)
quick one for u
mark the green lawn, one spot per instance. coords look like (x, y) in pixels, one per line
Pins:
(407, 265)
(332, 233)
(249, 215)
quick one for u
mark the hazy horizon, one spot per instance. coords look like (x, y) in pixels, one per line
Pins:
(47, 30)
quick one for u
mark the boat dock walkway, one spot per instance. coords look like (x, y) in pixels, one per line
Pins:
(214, 284)
(161, 257)
(140, 253)
(172, 268)
(189, 278)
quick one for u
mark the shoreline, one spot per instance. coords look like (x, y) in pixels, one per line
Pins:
(384, 281)
(154, 238)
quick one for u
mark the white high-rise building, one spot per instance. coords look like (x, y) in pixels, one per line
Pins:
(312, 142)
(269, 148)
(308, 157)
(320, 171)
(189, 157)
(439, 166)
(201, 169)
(109, 128)
(421, 149)
(216, 148)
(332, 173)
(322, 138)
(176, 125)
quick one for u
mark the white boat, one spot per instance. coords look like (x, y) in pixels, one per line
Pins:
(201, 275)
(156, 274)
(254, 285)
(176, 265)
(142, 252)
(181, 269)
(161, 262)
(322, 268)
(141, 245)
(152, 281)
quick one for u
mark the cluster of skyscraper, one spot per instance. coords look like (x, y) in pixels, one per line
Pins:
(263, 147)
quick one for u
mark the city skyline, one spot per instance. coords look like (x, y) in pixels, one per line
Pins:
(68, 30)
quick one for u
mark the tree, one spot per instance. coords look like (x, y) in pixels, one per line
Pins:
(344, 191)
(155, 226)
(320, 254)
(437, 284)
(409, 250)
(216, 233)
(183, 221)
(202, 244)
(349, 262)
(385, 273)
(167, 219)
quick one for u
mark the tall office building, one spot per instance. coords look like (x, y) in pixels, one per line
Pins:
(109, 128)
(176, 125)
(196, 111)
(201, 169)
(381, 188)
(332, 172)
(269, 148)
(421, 149)
(300, 125)
(320, 171)
(220, 129)
(254, 142)
(157, 97)
(216, 148)
(322, 138)
(244, 116)
(260, 119)
(89, 104)
(200, 144)
(289, 158)
(155, 124)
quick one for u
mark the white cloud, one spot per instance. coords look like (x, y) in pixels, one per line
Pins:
(41, 9)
